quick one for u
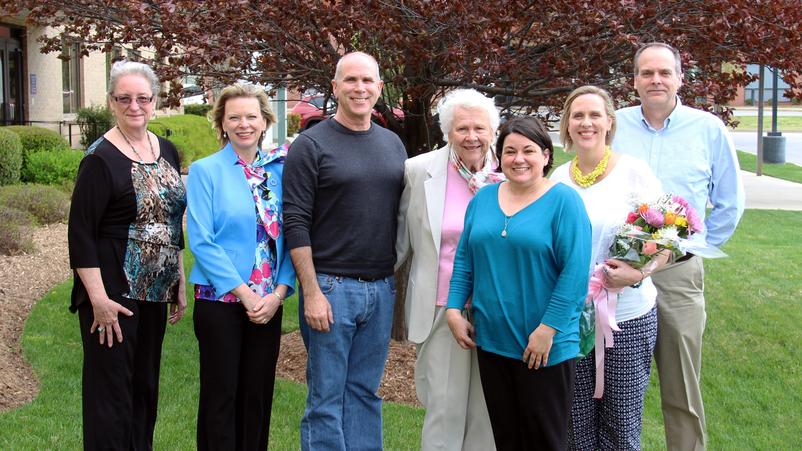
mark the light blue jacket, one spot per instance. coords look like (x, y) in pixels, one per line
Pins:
(221, 223)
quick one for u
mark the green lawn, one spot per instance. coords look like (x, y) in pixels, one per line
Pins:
(752, 377)
(784, 123)
(785, 171)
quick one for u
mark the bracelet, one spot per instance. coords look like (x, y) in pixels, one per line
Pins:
(279, 297)
(642, 276)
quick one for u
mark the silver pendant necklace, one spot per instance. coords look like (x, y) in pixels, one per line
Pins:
(506, 222)
(141, 161)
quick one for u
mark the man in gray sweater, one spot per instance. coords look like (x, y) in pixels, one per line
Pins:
(342, 183)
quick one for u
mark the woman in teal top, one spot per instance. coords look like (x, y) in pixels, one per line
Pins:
(522, 261)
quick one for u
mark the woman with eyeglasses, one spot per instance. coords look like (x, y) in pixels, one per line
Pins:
(125, 241)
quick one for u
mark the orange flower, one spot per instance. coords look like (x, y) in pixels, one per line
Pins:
(649, 248)
(670, 218)
(642, 208)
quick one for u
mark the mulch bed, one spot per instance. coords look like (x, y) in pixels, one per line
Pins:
(24, 279)
(398, 382)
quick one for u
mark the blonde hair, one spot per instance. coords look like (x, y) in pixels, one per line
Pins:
(234, 91)
(609, 108)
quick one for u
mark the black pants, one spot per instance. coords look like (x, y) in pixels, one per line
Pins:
(529, 409)
(237, 373)
(121, 384)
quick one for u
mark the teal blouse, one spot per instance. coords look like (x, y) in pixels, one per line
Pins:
(537, 273)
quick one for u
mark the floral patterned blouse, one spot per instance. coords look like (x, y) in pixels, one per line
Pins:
(268, 227)
(126, 219)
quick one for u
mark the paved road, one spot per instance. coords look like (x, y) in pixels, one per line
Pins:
(747, 141)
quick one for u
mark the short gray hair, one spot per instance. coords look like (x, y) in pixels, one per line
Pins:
(661, 45)
(125, 67)
(466, 98)
(342, 58)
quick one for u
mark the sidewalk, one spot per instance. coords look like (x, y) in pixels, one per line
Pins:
(769, 193)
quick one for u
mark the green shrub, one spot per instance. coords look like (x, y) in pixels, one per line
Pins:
(15, 227)
(35, 140)
(45, 203)
(192, 135)
(10, 157)
(93, 122)
(52, 167)
(201, 109)
(293, 124)
(38, 139)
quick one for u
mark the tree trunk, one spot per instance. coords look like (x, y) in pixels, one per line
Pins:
(421, 131)
(399, 330)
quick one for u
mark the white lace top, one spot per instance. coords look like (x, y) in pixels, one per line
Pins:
(607, 203)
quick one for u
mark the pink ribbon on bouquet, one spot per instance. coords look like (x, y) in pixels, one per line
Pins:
(605, 300)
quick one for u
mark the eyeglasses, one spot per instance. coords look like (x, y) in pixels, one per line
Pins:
(126, 100)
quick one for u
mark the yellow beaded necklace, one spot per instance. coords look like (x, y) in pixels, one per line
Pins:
(586, 180)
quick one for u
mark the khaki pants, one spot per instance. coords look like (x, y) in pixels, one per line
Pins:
(681, 323)
(448, 386)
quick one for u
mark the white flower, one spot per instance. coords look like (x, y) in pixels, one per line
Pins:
(668, 234)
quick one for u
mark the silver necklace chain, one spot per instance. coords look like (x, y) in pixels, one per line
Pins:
(506, 222)
(150, 144)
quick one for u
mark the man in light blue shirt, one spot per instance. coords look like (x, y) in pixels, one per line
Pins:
(693, 155)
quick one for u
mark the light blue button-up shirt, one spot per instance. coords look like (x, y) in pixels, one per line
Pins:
(693, 156)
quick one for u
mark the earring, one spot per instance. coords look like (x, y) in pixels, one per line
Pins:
(225, 135)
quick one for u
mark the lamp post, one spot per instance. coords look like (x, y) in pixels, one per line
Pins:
(774, 143)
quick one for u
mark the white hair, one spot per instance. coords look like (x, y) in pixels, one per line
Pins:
(465, 98)
(125, 67)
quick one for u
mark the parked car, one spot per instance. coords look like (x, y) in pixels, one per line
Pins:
(310, 108)
(193, 95)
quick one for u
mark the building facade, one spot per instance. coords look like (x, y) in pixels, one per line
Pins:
(46, 89)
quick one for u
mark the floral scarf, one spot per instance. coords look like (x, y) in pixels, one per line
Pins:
(476, 180)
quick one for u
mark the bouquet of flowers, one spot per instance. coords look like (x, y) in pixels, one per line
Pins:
(667, 223)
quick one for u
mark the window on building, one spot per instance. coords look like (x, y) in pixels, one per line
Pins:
(71, 77)
(112, 57)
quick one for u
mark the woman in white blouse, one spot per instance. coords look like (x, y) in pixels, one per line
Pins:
(608, 183)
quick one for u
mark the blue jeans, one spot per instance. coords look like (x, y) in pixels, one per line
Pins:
(345, 365)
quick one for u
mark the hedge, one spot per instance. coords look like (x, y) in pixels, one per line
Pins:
(37, 139)
(52, 167)
(10, 157)
(192, 135)
(45, 203)
(93, 121)
(201, 109)
(15, 227)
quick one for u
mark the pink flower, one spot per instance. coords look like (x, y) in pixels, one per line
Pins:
(679, 200)
(653, 217)
(649, 247)
(266, 270)
(694, 222)
(256, 276)
(632, 217)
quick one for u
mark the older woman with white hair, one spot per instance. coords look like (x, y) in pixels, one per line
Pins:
(437, 189)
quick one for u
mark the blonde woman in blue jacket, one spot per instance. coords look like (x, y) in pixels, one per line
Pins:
(242, 272)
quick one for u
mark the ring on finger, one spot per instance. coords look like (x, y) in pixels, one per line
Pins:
(101, 329)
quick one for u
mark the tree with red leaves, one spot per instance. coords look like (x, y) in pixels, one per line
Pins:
(529, 54)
